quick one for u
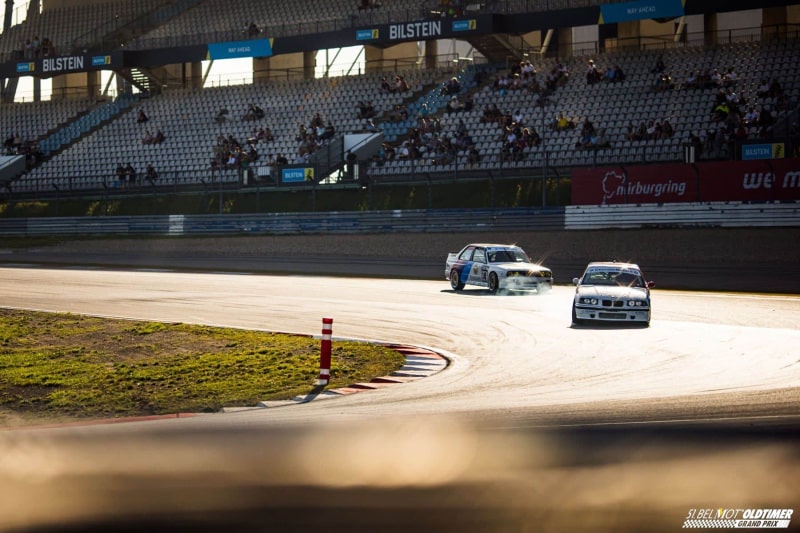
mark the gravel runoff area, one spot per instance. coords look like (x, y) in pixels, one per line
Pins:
(751, 259)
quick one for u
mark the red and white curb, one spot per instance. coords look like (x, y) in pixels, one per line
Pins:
(420, 363)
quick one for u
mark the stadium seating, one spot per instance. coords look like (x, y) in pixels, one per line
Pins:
(187, 116)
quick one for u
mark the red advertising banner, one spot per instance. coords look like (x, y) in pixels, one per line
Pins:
(726, 181)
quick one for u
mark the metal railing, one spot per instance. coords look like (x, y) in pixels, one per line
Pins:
(417, 221)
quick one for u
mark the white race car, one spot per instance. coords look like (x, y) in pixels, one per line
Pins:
(612, 291)
(498, 267)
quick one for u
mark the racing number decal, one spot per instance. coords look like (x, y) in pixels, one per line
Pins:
(484, 274)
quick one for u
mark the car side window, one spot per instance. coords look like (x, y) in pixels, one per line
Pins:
(480, 255)
(466, 255)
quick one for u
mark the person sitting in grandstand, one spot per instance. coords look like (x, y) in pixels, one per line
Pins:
(159, 137)
(150, 173)
(691, 81)
(327, 132)
(454, 105)
(564, 123)
(531, 137)
(366, 109)
(667, 131)
(130, 174)
(253, 30)
(148, 137)
(120, 173)
(730, 78)
(593, 74)
(473, 155)
(775, 89)
(253, 113)
(142, 117)
(721, 112)
(386, 87)
(659, 66)
(221, 116)
(750, 119)
(664, 82)
(452, 87)
(491, 113)
(400, 84)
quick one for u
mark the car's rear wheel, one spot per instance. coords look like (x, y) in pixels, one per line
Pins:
(494, 283)
(455, 280)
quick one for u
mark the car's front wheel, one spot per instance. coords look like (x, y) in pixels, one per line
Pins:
(494, 283)
(455, 280)
(575, 320)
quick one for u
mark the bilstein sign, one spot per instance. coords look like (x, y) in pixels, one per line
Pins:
(52, 66)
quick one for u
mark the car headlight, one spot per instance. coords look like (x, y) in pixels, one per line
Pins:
(590, 301)
(635, 303)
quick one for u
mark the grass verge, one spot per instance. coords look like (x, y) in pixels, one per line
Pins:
(65, 367)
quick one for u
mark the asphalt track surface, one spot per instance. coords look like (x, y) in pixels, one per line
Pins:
(535, 425)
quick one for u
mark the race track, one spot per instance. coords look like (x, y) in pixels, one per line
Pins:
(709, 360)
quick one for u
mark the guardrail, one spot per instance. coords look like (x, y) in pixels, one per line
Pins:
(417, 221)
(717, 214)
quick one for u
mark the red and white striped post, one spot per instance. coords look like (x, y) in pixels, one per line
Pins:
(325, 352)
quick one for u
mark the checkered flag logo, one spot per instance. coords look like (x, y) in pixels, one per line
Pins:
(703, 524)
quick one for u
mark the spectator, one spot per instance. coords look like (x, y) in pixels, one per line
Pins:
(253, 30)
(386, 87)
(691, 80)
(148, 137)
(281, 160)
(142, 117)
(159, 137)
(130, 174)
(150, 173)
(794, 139)
(664, 82)
(452, 87)
(401, 85)
(593, 74)
(454, 105)
(775, 89)
(120, 173)
(366, 109)
(221, 116)
(750, 118)
(563, 123)
(659, 66)
(763, 89)
(253, 113)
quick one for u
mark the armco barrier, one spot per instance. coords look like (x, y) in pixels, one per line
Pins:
(418, 221)
(727, 215)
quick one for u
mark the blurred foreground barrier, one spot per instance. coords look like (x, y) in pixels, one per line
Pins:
(419, 221)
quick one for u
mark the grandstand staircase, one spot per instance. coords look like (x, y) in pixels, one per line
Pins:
(147, 80)
(499, 48)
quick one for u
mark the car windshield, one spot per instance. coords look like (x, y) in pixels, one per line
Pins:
(619, 278)
(508, 256)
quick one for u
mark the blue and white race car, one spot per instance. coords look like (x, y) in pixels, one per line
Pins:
(498, 267)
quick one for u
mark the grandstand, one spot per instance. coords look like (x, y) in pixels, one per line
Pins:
(84, 139)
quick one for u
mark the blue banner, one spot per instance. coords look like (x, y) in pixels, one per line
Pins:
(640, 10)
(296, 175)
(101, 60)
(26, 67)
(257, 48)
(465, 25)
(367, 35)
(762, 151)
